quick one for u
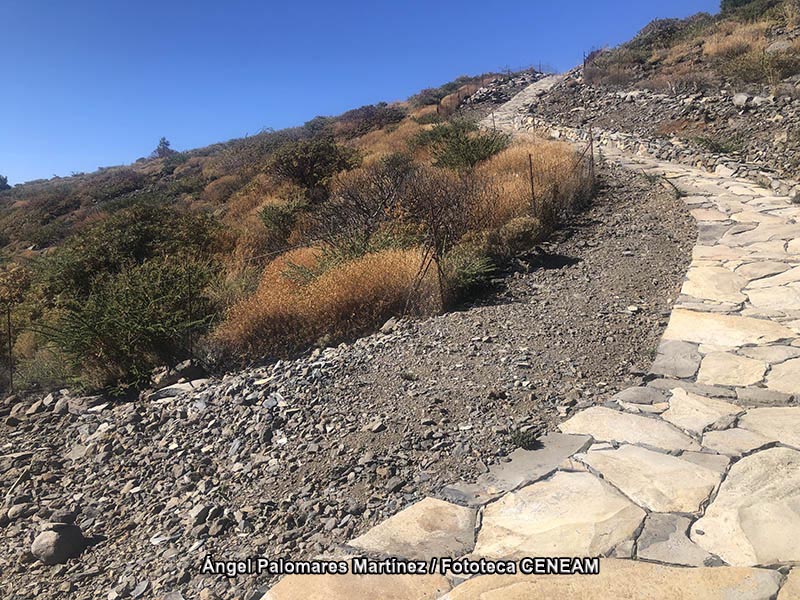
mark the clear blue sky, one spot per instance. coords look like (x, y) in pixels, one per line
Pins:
(91, 83)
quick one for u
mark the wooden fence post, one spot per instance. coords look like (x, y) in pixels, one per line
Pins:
(533, 189)
(591, 155)
(10, 350)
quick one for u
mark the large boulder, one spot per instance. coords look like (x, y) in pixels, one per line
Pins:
(58, 544)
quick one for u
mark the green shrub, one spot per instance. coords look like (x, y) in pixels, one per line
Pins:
(279, 218)
(312, 163)
(173, 161)
(46, 235)
(367, 118)
(459, 144)
(319, 126)
(47, 369)
(466, 268)
(129, 236)
(429, 119)
(134, 320)
(748, 9)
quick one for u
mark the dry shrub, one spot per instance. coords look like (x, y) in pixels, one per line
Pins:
(219, 190)
(791, 13)
(559, 179)
(253, 241)
(249, 197)
(387, 141)
(193, 166)
(465, 219)
(681, 52)
(286, 313)
(424, 112)
(734, 39)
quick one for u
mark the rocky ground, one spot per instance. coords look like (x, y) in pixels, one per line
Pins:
(294, 458)
(496, 93)
(724, 126)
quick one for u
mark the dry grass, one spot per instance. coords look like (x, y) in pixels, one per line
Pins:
(219, 190)
(559, 179)
(300, 301)
(286, 314)
(791, 13)
(376, 144)
(732, 39)
(248, 198)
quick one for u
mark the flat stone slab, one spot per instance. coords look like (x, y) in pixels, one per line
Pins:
(710, 391)
(724, 330)
(709, 214)
(605, 424)
(784, 299)
(779, 423)
(723, 368)
(571, 514)
(791, 587)
(640, 395)
(676, 359)
(694, 413)
(665, 539)
(650, 409)
(734, 442)
(627, 580)
(755, 518)
(760, 269)
(790, 276)
(762, 397)
(350, 587)
(523, 468)
(654, 480)
(431, 527)
(785, 377)
(715, 462)
(714, 283)
(773, 354)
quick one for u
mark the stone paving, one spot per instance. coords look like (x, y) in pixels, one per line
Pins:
(687, 487)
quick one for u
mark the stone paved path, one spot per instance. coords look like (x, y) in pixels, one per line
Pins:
(689, 487)
(512, 115)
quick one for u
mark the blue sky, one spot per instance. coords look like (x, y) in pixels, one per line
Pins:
(93, 83)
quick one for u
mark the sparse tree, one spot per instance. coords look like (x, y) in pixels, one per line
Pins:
(4, 183)
(163, 149)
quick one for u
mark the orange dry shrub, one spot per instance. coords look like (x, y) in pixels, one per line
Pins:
(388, 140)
(249, 197)
(559, 181)
(423, 112)
(287, 313)
(734, 39)
(219, 190)
(253, 239)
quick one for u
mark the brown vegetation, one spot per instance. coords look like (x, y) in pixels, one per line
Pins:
(704, 51)
(403, 237)
(314, 234)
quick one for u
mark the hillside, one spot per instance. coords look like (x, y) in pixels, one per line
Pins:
(521, 314)
(718, 90)
(262, 247)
